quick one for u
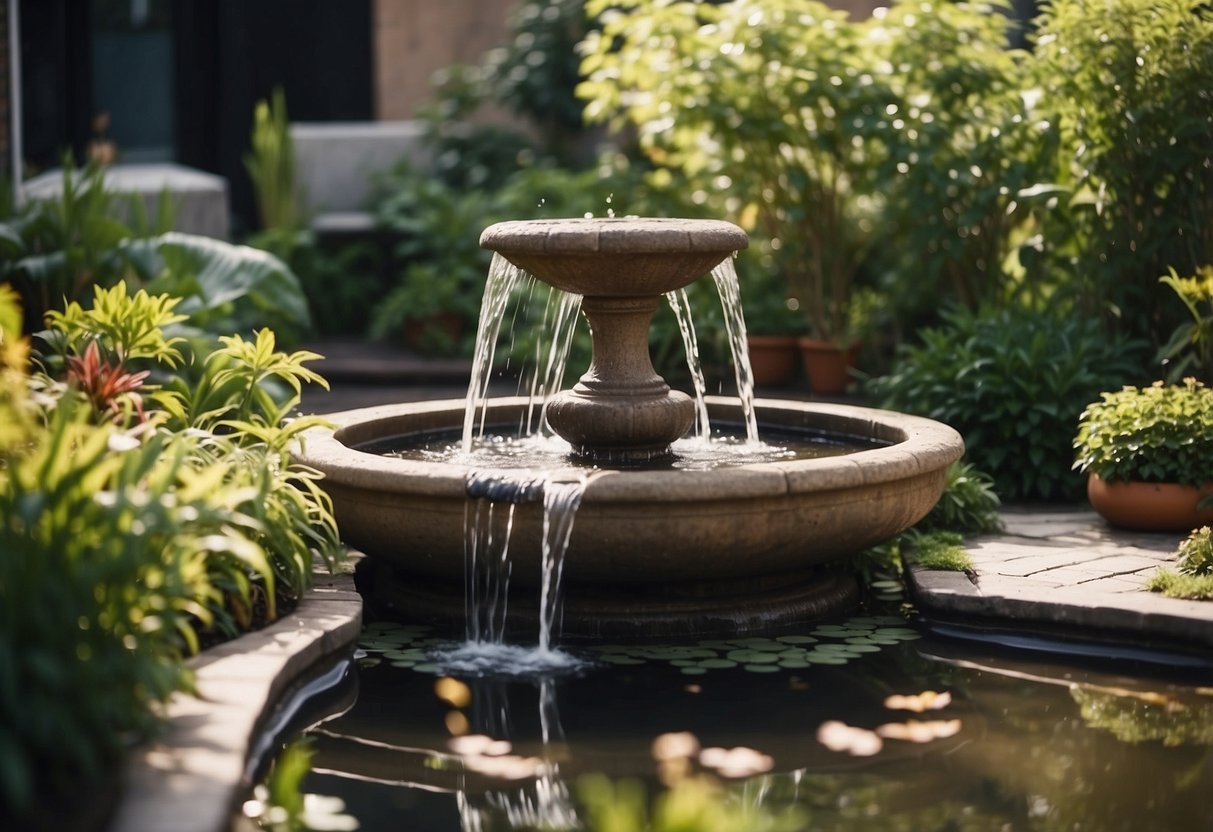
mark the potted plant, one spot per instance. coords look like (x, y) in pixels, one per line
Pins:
(1148, 453)
(773, 326)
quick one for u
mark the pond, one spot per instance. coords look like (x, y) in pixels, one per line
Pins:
(869, 723)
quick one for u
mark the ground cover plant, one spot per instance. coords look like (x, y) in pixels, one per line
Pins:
(138, 521)
(1192, 576)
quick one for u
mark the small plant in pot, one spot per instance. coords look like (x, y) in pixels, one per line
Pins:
(1148, 453)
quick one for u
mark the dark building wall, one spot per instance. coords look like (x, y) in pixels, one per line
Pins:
(231, 53)
(227, 54)
(6, 124)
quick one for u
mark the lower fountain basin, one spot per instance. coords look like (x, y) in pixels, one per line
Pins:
(655, 552)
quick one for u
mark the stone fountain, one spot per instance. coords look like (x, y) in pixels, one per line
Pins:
(653, 552)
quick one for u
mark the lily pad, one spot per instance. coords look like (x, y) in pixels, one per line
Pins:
(762, 668)
(797, 640)
(717, 664)
(753, 657)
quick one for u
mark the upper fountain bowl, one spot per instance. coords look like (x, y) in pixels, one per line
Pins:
(615, 257)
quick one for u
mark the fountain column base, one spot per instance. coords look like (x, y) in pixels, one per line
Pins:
(620, 427)
(709, 609)
(621, 411)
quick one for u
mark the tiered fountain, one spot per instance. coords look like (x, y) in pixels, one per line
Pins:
(654, 551)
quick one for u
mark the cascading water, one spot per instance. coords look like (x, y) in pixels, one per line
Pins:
(493, 495)
(687, 537)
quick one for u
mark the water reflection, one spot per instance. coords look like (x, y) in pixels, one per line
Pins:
(1028, 746)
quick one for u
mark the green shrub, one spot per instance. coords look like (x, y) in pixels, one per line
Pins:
(1160, 433)
(968, 505)
(1131, 84)
(968, 151)
(134, 521)
(1012, 382)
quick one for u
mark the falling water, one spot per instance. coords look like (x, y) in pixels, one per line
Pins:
(560, 502)
(503, 278)
(493, 497)
(681, 307)
(725, 277)
(488, 525)
(563, 327)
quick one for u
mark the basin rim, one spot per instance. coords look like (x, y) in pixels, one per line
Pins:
(919, 446)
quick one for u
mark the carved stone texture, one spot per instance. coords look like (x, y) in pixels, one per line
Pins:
(621, 410)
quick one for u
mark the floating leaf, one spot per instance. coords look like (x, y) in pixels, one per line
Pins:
(753, 656)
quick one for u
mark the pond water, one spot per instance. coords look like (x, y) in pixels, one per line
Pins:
(868, 723)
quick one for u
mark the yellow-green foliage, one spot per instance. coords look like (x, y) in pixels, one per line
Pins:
(271, 165)
(125, 534)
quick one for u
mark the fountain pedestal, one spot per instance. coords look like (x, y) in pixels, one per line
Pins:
(621, 410)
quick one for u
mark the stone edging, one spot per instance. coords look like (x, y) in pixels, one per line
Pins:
(191, 778)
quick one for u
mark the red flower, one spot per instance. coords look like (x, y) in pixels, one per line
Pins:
(106, 385)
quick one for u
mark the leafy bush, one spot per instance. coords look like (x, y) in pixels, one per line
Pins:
(1160, 433)
(54, 253)
(747, 104)
(136, 522)
(1012, 382)
(968, 505)
(968, 151)
(1131, 83)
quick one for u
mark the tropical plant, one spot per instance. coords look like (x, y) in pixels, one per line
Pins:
(136, 524)
(1131, 86)
(271, 165)
(1012, 382)
(53, 251)
(1160, 433)
(222, 287)
(1190, 349)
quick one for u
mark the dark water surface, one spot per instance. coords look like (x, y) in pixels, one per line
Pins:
(1020, 745)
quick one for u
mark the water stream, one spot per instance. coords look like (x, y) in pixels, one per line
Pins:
(493, 492)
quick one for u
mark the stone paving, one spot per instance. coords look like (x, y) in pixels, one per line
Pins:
(1068, 572)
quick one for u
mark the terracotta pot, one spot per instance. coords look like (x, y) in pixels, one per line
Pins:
(827, 365)
(1150, 506)
(773, 359)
